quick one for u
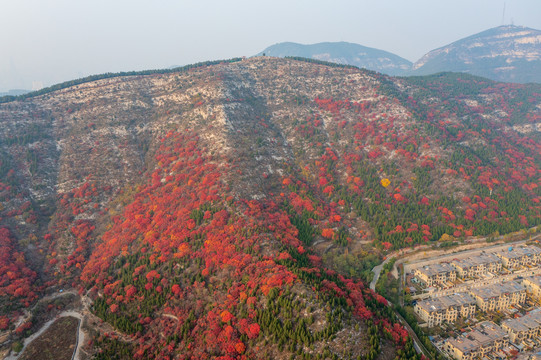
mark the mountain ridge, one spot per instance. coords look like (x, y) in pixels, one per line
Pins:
(246, 199)
(505, 53)
(343, 53)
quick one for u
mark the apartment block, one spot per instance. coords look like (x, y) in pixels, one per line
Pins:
(446, 308)
(436, 274)
(478, 265)
(533, 286)
(515, 257)
(523, 328)
(497, 297)
(485, 337)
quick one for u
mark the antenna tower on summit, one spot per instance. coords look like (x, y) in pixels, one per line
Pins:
(503, 15)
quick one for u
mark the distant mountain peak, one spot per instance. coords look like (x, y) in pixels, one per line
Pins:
(343, 53)
(504, 53)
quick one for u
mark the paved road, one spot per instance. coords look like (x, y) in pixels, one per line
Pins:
(377, 271)
(417, 344)
(80, 336)
(478, 283)
(463, 254)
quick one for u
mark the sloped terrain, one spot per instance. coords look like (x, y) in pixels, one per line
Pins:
(505, 53)
(235, 210)
(344, 53)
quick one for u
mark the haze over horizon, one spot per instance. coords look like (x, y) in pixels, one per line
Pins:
(59, 40)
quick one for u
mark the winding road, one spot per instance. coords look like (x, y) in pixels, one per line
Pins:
(80, 335)
(377, 271)
(404, 254)
(72, 313)
(419, 347)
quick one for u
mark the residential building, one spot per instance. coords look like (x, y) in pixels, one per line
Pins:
(485, 338)
(523, 328)
(462, 348)
(478, 265)
(515, 257)
(435, 274)
(497, 297)
(533, 286)
(446, 308)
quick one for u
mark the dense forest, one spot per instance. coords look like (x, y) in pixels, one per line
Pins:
(235, 209)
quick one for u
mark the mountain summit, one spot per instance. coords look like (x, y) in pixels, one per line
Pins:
(505, 53)
(343, 53)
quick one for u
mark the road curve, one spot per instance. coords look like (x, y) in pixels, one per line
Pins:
(377, 271)
(80, 335)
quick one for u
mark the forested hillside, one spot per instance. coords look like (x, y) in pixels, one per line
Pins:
(235, 210)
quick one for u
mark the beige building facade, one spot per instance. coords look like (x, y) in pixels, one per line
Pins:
(523, 328)
(477, 266)
(533, 286)
(513, 258)
(485, 338)
(446, 308)
(497, 297)
(436, 274)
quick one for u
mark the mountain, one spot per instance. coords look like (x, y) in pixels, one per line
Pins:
(343, 53)
(235, 209)
(506, 53)
(14, 92)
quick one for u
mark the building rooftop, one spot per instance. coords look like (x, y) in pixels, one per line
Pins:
(496, 290)
(445, 302)
(481, 259)
(482, 334)
(490, 330)
(518, 252)
(515, 325)
(435, 269)
(464, 344)
(529, 321)
(534, 280)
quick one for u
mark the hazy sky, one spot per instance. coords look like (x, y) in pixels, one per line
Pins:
(50, 41)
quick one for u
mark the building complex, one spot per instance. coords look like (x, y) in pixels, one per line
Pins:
(485, 338)
(524, 328)
(445, 309)
(497, 297)
(520, 256)
(436, 274)
(476, 266)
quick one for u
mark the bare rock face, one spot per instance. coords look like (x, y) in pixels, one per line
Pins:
(506, 53)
